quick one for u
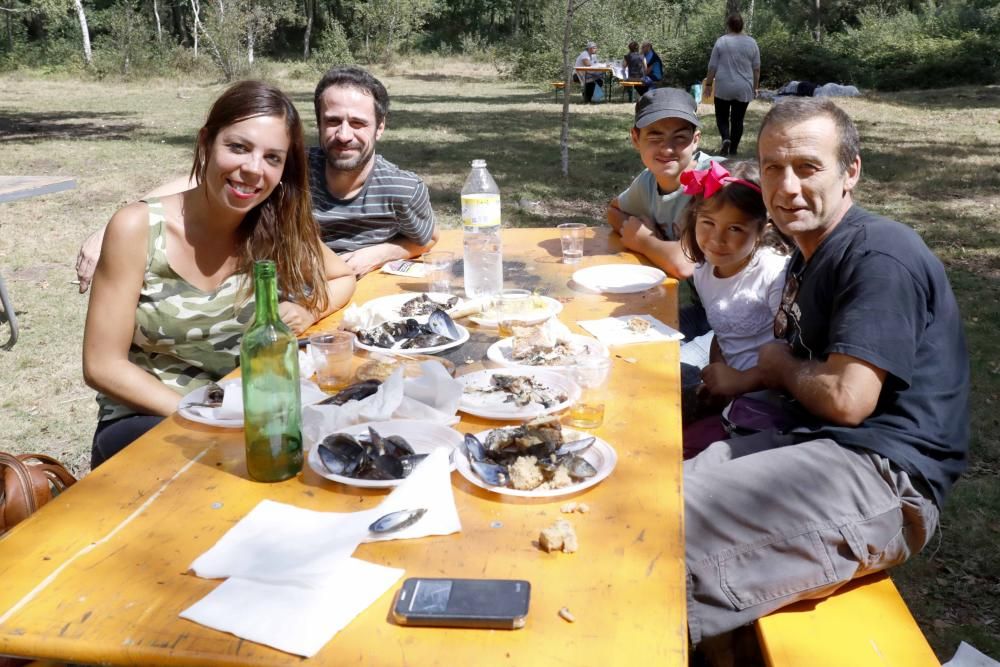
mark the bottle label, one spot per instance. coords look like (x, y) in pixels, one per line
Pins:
(481, 210)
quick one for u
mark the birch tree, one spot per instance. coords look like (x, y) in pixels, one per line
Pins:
(81, 15)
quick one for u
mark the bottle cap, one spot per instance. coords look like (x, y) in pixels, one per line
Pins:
(478, 163)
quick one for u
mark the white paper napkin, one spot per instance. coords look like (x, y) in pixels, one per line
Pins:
(232, 401)
(615, 330)
(295, 619)
(288, 565)
(433, 396)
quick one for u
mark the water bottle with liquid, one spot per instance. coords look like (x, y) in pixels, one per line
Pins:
(269, 364)
(483, 250)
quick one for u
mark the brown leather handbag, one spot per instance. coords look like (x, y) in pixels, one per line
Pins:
(27, 482)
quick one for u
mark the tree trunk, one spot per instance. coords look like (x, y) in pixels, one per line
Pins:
(159, 28)
(88, 57)
(749, 19)
(310, 8)
(567, 86)
(732, 7)
(818, 33)
(196, 10)
(250, 41)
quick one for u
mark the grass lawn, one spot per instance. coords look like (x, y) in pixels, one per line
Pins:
(930, 159)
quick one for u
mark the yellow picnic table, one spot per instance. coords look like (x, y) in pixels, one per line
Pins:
(99, 575)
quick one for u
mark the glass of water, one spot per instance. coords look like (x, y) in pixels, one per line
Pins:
(438, 265)
(571, 235)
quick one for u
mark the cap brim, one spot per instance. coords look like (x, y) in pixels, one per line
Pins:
(653, 116)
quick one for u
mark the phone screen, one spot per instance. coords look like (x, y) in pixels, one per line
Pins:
(479, 603)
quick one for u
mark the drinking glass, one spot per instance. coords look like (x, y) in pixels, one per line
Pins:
(513, 307)
(591, 374)
(332, 353)
(438, 264)
(571, 235)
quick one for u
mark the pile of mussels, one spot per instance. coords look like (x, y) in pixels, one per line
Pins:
(368, 457)
(410, 334)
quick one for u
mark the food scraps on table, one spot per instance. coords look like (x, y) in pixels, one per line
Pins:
(560, 536)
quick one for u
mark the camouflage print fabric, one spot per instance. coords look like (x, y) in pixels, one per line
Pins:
(184, 336)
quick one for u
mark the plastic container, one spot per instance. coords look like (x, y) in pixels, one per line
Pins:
(481, 244)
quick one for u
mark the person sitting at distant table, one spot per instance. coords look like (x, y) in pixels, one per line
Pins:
(634, 66)
(654, 68)
(590, 80)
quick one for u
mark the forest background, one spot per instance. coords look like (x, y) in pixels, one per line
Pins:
(883, 44)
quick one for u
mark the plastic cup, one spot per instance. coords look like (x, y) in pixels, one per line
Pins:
(591, 374)
(332, 353)
(438, 265)
(571, 235)
(513, 307)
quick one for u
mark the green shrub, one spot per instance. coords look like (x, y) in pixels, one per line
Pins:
(332, 48)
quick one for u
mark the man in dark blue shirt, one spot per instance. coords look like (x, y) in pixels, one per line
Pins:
(871, 349)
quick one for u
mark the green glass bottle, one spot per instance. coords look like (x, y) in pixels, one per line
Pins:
(272, 409)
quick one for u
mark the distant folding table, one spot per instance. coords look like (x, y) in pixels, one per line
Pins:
(13, 188)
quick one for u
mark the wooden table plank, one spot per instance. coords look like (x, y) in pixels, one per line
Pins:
(99, 574)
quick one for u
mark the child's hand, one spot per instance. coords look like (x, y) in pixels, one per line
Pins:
(723, 380)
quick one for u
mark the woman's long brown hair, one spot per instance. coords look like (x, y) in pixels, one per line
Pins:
(282, 227)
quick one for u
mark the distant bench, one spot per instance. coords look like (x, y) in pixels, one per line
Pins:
(866, 622)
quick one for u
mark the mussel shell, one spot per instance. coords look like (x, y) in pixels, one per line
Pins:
(214, 394)
(397, 520)
(493, 474)
(382, 467)
(410, 461)
(474, 449)
(580, 468)
(341, 454)
(441, 323)
(425, 340)
(576, 446)
(354, 392)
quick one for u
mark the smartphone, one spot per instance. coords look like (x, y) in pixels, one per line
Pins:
(501, 604)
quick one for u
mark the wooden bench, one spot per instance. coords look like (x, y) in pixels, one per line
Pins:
(628, 87)
(866, 622)
(557, 87)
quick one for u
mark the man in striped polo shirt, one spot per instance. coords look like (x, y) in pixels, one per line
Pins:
(369, 210)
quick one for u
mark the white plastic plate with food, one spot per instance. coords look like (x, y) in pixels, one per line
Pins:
(423, 437)
(542, 309)
(519, 393)
(601, 455)
(230, 413)
(619, 278)
(463, 335)
(502, 352)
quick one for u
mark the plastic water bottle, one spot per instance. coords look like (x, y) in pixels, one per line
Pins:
(269, 363)
(483, 250)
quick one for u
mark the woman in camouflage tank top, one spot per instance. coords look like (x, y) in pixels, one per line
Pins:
(168, 320)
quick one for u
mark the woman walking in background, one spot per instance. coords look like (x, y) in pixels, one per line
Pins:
(734, 71)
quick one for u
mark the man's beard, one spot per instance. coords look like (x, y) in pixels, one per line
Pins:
(350, 163)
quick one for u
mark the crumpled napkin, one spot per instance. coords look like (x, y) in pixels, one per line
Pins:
(292, 582)
(232, 401)
(615, 330)
(433, 396)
